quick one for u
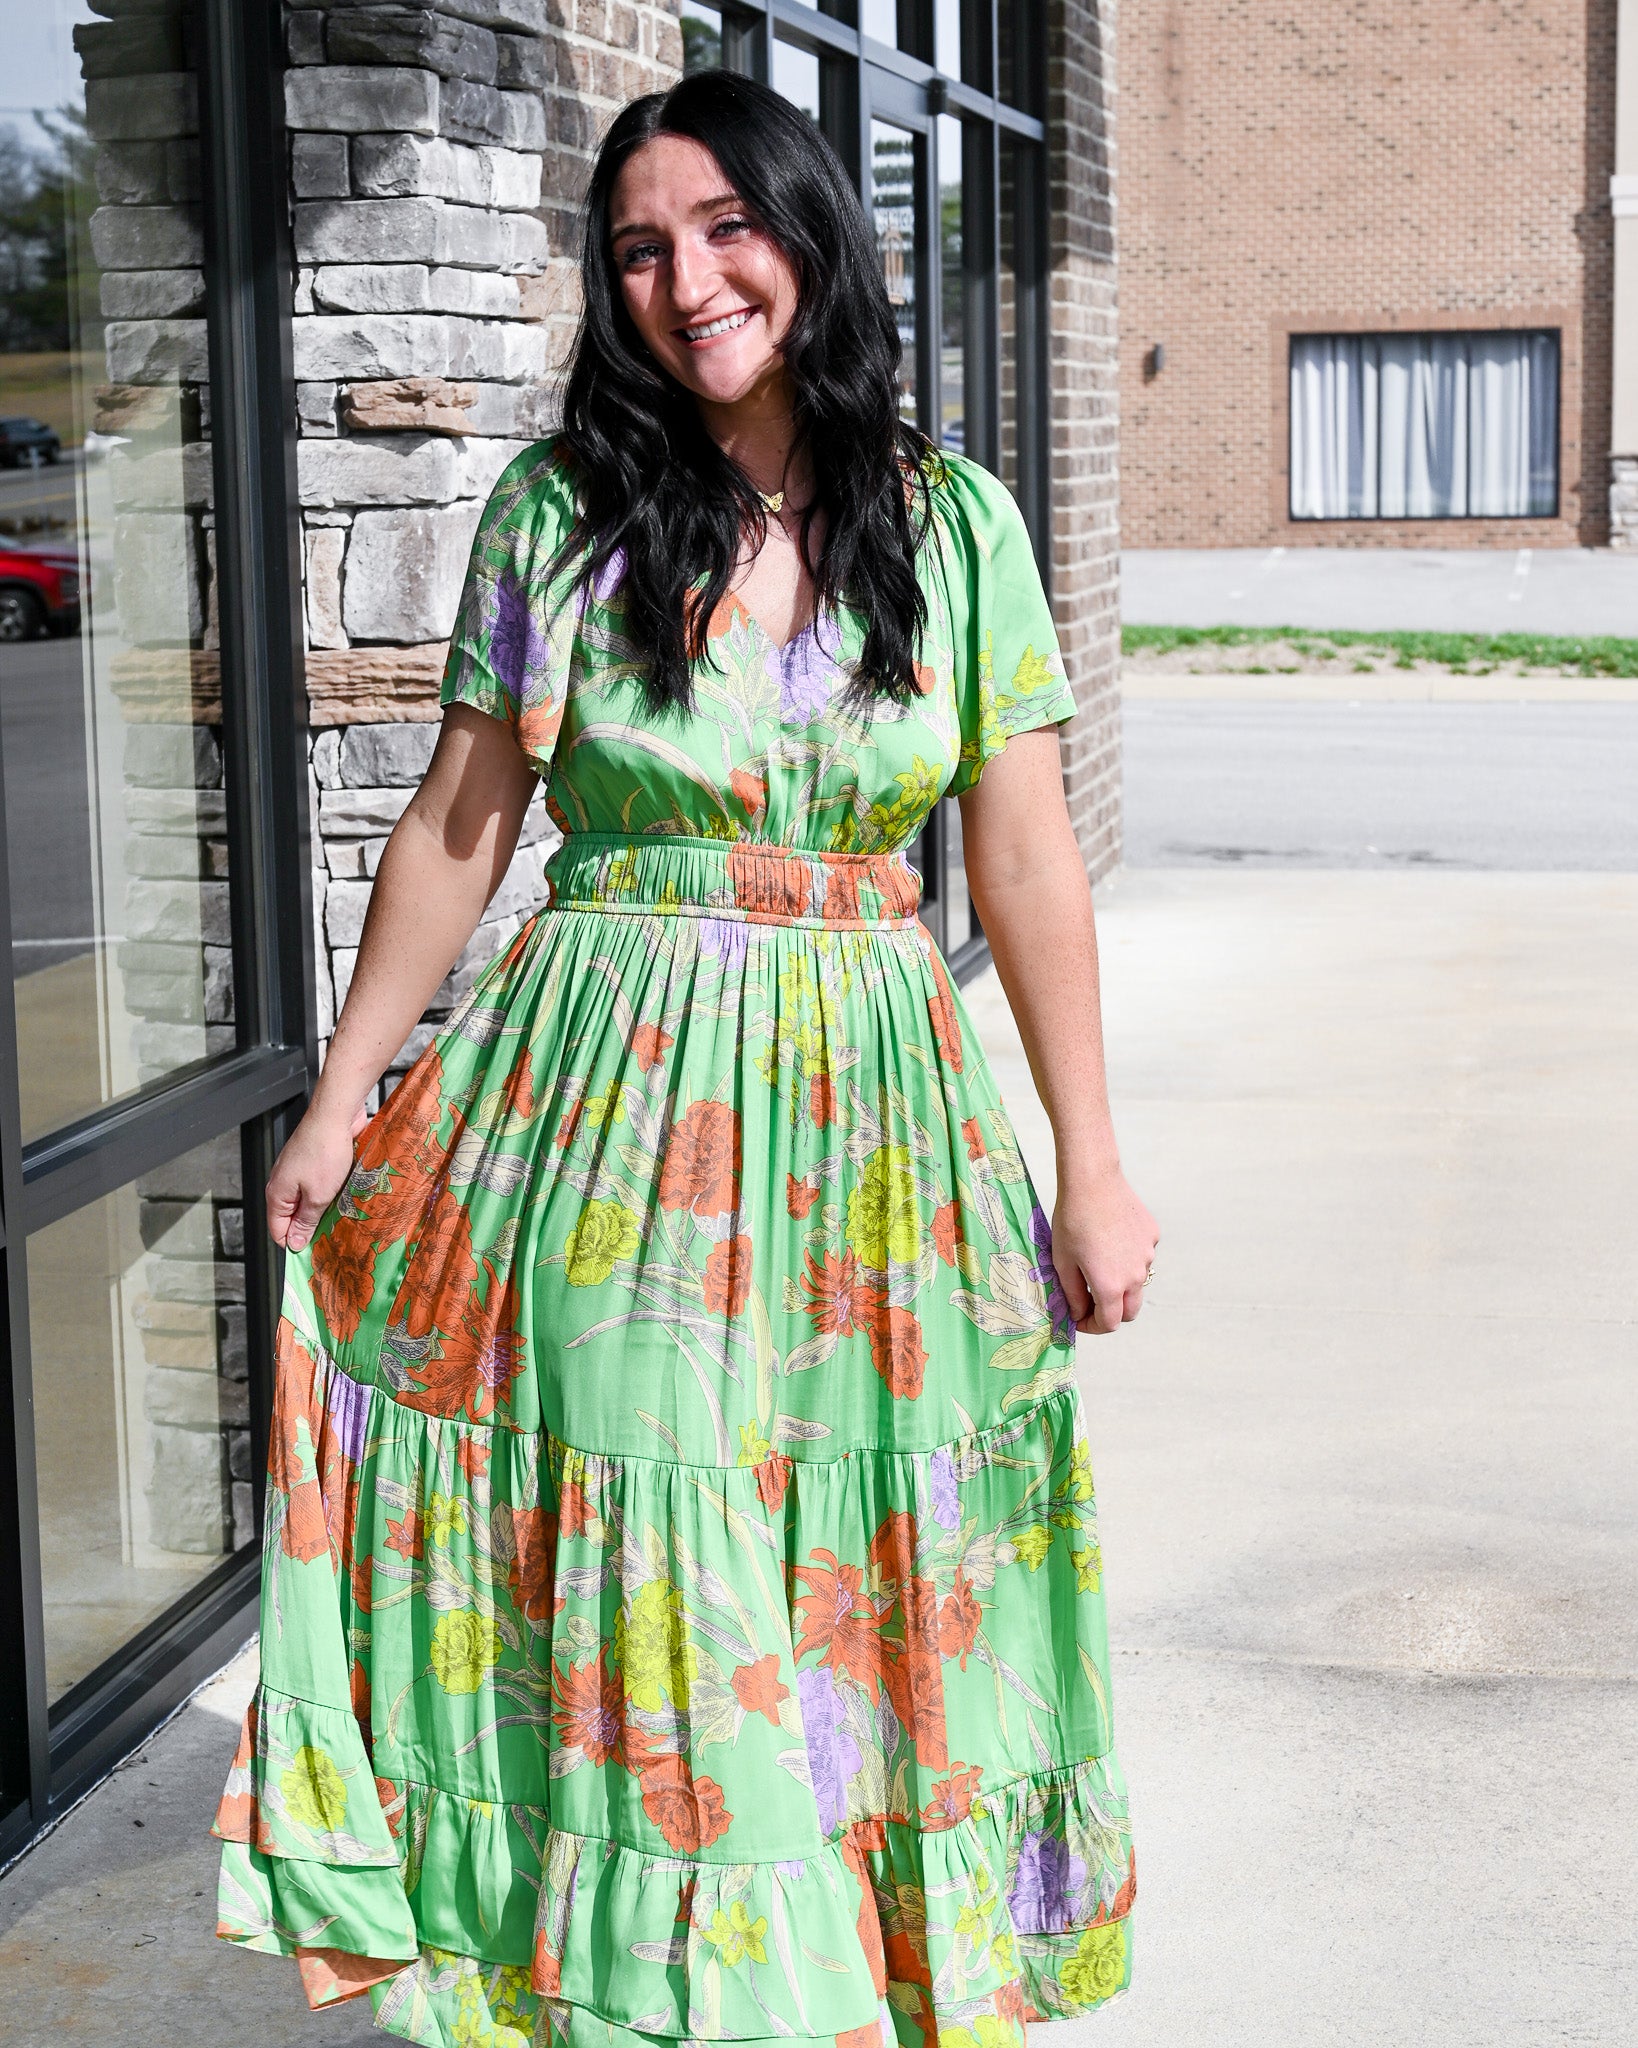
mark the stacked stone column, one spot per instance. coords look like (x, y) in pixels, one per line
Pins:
(436, 153)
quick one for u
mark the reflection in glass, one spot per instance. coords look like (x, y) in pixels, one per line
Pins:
(1007, 293)
(947, 37)
(880, 18)
(796, 75)
(893, 212)
(110, 694)
(952, 313)
(1017, 69)
(701, 38)
(141, 1402)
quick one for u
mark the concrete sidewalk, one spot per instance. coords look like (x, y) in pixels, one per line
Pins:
(1365, 1467)
(1572, 591)
(1365, 1461)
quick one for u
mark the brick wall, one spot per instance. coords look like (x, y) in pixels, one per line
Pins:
(1352, 165)
(1085, 410)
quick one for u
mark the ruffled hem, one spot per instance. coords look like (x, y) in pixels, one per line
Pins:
(1009, 1912)
(525, 1709)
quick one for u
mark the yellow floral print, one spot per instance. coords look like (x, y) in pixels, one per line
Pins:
(464, 1647)
(735, 1935)
(652, 1648)
(883, 1218)
(1088, 1568)
(446, 1518)
(606, 1231)
(314, 1792)
(754, 1447)
(1097, 1969)
(1034, 672)
(1030, 1546)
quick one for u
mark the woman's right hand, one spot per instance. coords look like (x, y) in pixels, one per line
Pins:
(308, 1175)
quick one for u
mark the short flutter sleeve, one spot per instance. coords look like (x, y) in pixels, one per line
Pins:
(513, 644)
(1009, 671)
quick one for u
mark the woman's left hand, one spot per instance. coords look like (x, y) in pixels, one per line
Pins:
(1103, 1243)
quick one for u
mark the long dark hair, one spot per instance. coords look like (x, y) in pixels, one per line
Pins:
(652, 484)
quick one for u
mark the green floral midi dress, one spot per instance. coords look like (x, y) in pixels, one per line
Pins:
(681, 1613)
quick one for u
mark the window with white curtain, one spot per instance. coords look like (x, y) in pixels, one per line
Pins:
(1425, 426)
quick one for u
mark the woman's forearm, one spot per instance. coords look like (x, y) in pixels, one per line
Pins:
(1039, 923)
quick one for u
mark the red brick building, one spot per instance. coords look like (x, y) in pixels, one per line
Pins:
(1368, 272)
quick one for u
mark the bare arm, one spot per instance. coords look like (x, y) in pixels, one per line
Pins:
(445, 859)
(1028, 883)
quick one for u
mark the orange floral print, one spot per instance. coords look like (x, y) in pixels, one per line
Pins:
(896, 1349)
(305, 1532)
(728, 1275)
(532, 1574)
(947, 1232)
(344, 1275)
(822, 1099)
(773, 1477)
(758, 1688)
(688, 1811)
(476, 1362)
(959, 1620)
(952, 1798)
(589, 1709)
(838, 1622)
(649, 1045)
(439, 1277)
(702, 1161)
(941, 1008)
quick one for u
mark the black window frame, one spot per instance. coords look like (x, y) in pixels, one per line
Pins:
(50, 1755)
(861, 78)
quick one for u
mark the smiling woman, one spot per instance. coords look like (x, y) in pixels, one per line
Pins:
(721, 202)
(682, 1612)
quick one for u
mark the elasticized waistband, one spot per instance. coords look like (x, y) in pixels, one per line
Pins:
(660, 874)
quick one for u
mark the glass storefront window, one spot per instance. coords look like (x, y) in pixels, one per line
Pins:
(952, 273)
(110, 691)
(1018, 55)
(1008, 281)
(893, 212)
(135, 1319)
(880, 18)
(701, 38)
(796, 75)
(947, 37)
(142, 1419)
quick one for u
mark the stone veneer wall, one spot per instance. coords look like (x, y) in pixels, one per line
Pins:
(437, 155)
(1624, 501)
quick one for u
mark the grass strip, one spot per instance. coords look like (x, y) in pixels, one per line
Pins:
(1472, 653)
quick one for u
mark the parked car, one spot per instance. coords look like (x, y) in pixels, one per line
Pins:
(39, 589)
(27, 443)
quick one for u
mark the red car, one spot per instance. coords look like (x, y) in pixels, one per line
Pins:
(39, 589)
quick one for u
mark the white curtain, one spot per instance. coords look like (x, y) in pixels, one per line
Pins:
(1424, 426)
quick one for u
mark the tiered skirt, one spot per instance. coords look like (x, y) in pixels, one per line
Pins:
(682, 1613)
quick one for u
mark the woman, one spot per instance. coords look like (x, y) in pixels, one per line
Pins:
(681, 1612)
